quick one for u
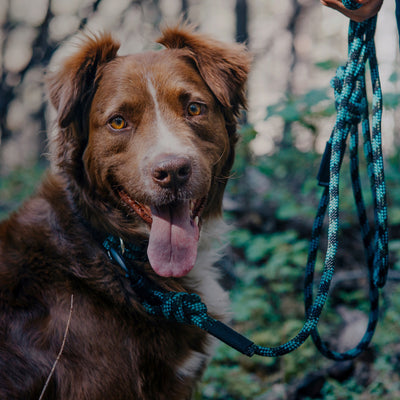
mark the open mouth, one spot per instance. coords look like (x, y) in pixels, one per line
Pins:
(174, 234)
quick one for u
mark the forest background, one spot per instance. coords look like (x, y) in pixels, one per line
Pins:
(272, 199)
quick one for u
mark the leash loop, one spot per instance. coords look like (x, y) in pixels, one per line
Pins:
(352, 108)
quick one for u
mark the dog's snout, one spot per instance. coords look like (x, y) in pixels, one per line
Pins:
(172, 172)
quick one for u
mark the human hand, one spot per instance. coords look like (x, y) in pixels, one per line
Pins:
(368, 8)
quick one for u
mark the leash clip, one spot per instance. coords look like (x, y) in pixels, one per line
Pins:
(122, 245)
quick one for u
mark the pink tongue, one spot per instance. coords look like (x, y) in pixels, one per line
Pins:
(172, 249)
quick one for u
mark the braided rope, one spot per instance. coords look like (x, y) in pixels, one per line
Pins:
(352, 109)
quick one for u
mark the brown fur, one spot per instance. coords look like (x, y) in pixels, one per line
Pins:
(51, 248)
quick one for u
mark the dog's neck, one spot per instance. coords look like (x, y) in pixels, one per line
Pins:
(101, 216)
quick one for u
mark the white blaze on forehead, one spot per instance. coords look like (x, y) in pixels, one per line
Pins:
(167, 141)
(174, 236)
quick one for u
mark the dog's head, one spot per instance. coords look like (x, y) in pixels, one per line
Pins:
(148, 139)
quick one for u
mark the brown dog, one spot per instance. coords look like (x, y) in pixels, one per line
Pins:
(143, 150)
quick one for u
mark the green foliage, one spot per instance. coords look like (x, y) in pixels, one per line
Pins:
(303, 108)
(392, 175)
(391, 100)
(17, 186)
(270, 257)
(280, 251)
(267, 300)
(229, 382)
(328, 65)
(292, 194)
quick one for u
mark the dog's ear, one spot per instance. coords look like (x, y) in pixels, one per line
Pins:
(224, 67)
(72, 87)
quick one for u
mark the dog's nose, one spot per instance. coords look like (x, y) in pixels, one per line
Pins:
(172, 172)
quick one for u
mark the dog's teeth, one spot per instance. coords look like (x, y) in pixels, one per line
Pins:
(196, 220)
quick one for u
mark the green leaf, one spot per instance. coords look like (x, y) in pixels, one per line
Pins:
(258, 248)
(394, 77)
(391, 100)
(240, 237)
(327, 65)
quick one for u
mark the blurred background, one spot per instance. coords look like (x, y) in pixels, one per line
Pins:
(272, 197)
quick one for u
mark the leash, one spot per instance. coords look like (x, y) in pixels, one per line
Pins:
(352, 109)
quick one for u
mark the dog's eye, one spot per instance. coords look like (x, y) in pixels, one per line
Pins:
(194, 109)
(117, 123)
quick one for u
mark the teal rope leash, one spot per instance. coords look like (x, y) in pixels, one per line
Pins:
(352, 109)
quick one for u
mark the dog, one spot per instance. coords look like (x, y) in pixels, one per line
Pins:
(142, 151)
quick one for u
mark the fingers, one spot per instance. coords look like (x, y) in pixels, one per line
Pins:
(369, 8)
